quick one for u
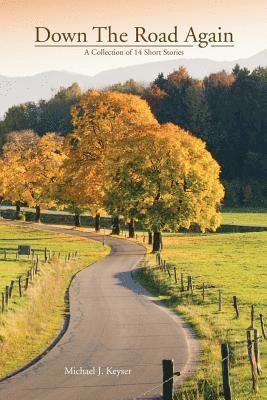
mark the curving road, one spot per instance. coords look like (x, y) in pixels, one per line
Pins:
(115, 324)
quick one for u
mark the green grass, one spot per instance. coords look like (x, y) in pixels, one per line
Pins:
(31, 322)
(244, 217)
(235, 263)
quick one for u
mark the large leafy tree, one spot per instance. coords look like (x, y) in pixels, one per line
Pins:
(168, 177)
(32, 168)
(79, 187)
(101, 121)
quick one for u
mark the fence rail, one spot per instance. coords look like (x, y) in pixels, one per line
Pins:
(22, 282)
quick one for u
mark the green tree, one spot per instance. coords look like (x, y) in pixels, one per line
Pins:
(170, 179)
(47, 116)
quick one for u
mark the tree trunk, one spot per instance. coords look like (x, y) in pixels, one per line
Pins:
(17, 214)
(97, 222)
(115, 226)
(156, 242)
(77, 220)
(37, 218)
(1, 199)
(131, 228)
(150, 238)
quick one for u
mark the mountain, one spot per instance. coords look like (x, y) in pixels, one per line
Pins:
(15, 90)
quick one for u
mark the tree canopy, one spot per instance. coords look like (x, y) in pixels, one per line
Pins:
(118, 158)
(229, 112)
(45, 116)
(226, 110)
(165, 177)
(32, 168)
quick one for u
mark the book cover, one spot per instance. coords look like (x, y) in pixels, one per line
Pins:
(133, 200)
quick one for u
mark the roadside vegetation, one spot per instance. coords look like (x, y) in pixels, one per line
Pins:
(236, 264)
(32, 321)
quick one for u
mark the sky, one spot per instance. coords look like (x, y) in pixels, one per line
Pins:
(18, 19)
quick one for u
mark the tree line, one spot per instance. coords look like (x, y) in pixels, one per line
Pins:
(118, 160)
(227, 110)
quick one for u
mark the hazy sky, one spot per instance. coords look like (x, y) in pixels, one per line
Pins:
(246, 19)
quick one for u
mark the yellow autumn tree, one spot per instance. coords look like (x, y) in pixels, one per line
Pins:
(168, 177)
(33, 167)
(80, 188)
(100, 120)
(13, 160)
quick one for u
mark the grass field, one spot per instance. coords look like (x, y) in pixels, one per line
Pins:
(245, 217)
(235, 263)
(32, 321)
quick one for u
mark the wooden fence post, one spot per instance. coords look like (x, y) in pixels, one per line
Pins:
(168, 270)
(182, 282)
(257, 351)
(36, 266)
(220, 300)
(252, 313)
(168, 392)
(251, 356)
(10, 289)
(164, 265)
(225, 371)
(3, 302)
(188, 283)
(45, 255)
(20, 292)
(236, 306)
(203, 291)
(175, 276)
(26, 282)
(262, 327)
(6, 295)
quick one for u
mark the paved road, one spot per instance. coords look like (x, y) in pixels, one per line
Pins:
(116, 325)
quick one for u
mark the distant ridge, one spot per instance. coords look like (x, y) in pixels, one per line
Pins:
(15, 90)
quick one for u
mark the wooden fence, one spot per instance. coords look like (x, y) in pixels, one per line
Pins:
(39, 257)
